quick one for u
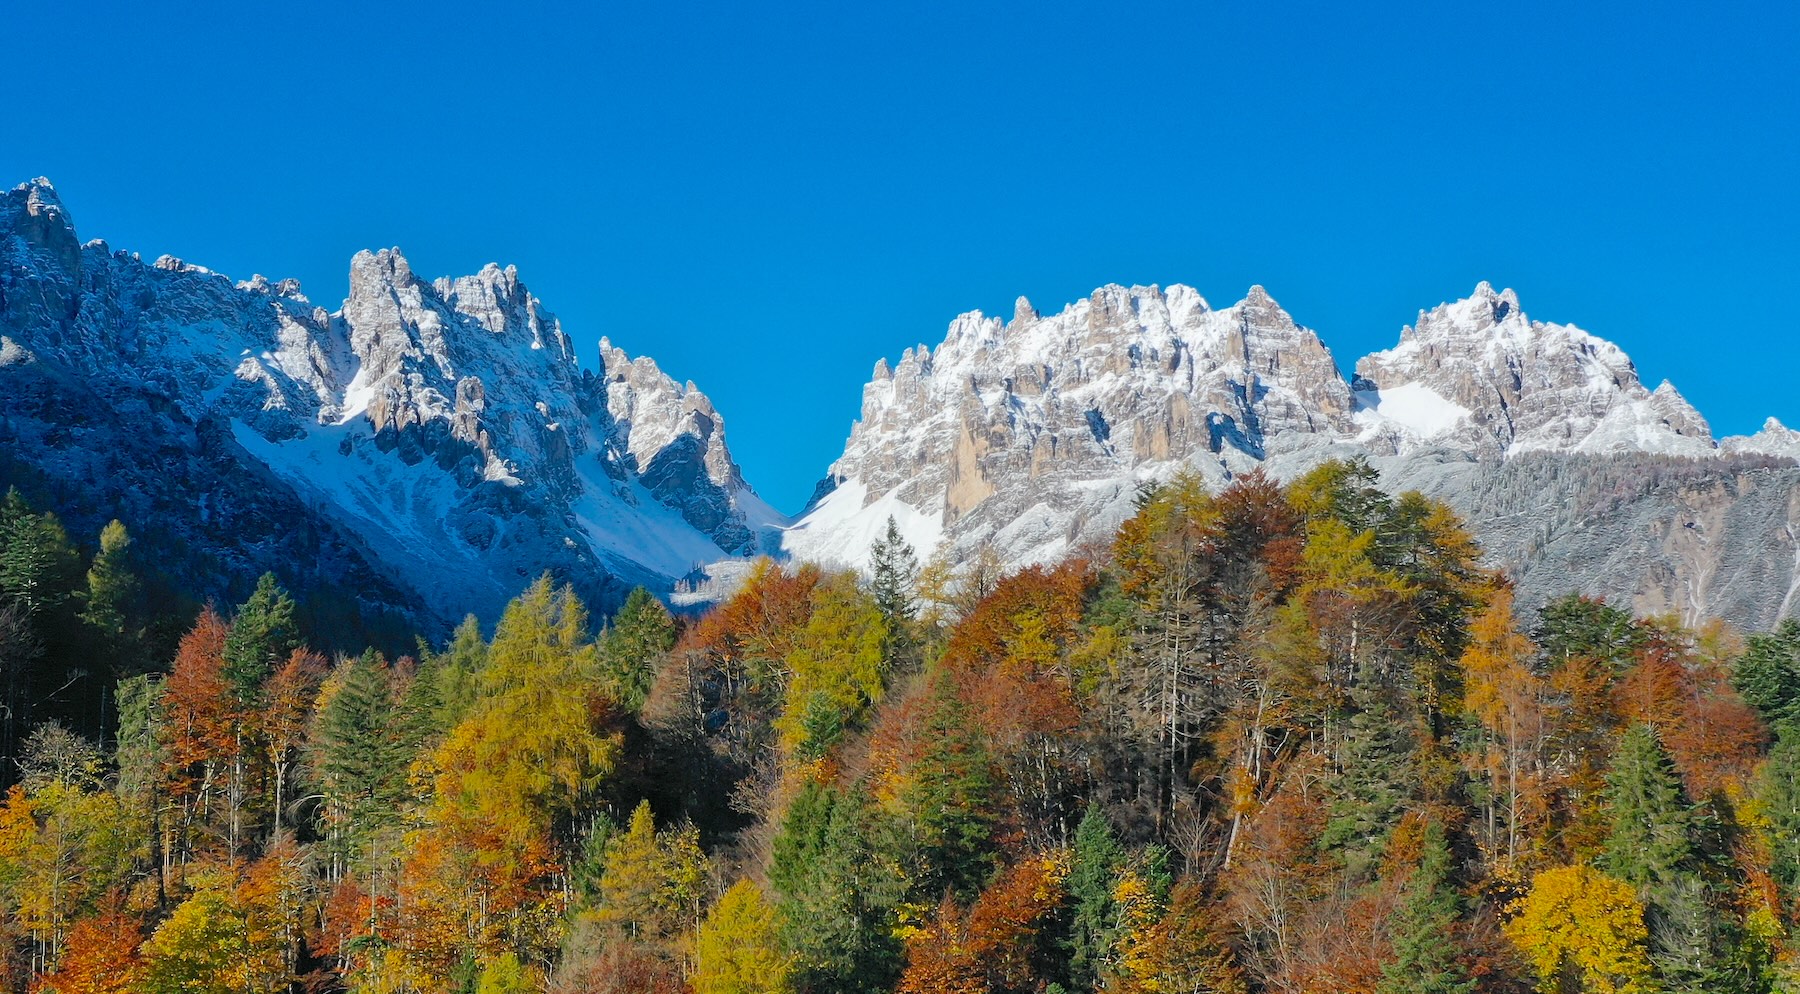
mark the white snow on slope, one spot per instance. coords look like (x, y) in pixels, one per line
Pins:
(839, 530)
(1413, 406)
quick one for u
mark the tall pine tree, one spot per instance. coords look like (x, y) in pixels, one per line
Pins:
(893, 571)
(1423, 928)
(360, 762)
(262, 635)
(1651, 847)
(1093, 920)
(633, 646)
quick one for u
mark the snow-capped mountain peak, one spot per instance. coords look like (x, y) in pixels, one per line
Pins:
(1773, 439)
(1495, 382)
(446, 426)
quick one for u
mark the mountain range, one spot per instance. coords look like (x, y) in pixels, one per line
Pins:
(427, 447)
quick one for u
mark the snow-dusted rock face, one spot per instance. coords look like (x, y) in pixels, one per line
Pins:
(1480, 376)
(1034, 433)
(441, 433)
(1774, 439)
(1033, 436)
(430, 446)
(670, 435)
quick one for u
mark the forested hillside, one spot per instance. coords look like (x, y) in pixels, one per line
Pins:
(1287, 739)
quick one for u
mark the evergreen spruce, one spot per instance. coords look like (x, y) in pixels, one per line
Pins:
(112, 588)
(632, 648)
(262, 634)
(361, 760)
(1779, 792)
(1651, 847)
(893, 571)
(949, 826)
(1423, 928)
(1093, 872)
(1577, 626)
(1768, 675)
(1368, 793)
(457, 673)
(1650, 843)
(836, 895)
(39, 568)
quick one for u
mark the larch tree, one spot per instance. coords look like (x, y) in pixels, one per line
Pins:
(1505, 699)
(737, 949)
(837, 668)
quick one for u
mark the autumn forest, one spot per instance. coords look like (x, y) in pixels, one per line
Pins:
(1281, 738)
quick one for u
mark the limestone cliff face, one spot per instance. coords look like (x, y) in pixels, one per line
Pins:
(1506, 384)
(1032, 436)
(1035, 432)
(1696, 537)
(431, 445)
(673, 438)
(442, 430)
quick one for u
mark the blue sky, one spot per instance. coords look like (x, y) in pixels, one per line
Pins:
(767, 198)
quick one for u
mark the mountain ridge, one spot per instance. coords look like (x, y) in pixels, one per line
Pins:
(446, 435)
(445, 428)
(1030, 437)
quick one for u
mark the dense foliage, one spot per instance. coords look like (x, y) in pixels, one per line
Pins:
(1286, 739)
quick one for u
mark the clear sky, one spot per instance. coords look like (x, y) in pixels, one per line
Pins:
(768, 197)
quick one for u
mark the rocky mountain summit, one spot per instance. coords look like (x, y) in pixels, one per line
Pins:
(430, 445)
(1032, 436)
(433, 443)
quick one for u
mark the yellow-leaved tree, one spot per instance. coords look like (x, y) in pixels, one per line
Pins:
(653, 882)
(835, 670)
(1506, 697)
(1577, 920)
(482, 875)
(737, 950)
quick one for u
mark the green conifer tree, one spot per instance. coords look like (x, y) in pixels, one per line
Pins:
(1578, 626)
(1779, 792)
(1093, 921)
(1650, 843)
(1423, 928)
(457, 673)
(632, 647)
(361, 760)
(1768, 675)
(949, 823)
(112, 587)
(39, 568)
(1374, 780)
(836, 895)
(1651, 847)
(262, 634)
(893, 571)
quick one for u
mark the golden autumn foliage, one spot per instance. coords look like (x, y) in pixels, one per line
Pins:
(737, 949)
(102, 958)
(232, 935)
(1291, 739)
(989, 946)
(1504, 694)
(1173, 945)
(1578, 920)
(835, 668)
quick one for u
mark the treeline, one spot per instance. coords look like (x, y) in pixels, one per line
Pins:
(71, 625)
(1275, 739)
